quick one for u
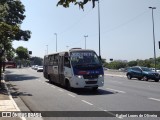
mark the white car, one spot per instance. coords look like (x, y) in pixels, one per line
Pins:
(35, 67)
(40, 69)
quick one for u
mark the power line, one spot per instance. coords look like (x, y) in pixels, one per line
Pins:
(75, 23)
(127, 22)
(78, 21)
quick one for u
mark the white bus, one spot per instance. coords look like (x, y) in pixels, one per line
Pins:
(76, 68)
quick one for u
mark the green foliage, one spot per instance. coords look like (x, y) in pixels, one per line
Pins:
(146, 63)
(36, 61)
(10, 55)
(11, 16)
(103, 61)
(132, 63)
(117, 65)
(66, 3)
(22, 53)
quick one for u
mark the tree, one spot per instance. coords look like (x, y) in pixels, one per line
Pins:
(66, 3)
(145, 63)
(132, 63)
(117, 65)
(11, 16)
(10, 54)
(22, 53)
(36, 61)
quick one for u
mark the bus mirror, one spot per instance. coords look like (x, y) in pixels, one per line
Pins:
(66, 58)
(100, 58)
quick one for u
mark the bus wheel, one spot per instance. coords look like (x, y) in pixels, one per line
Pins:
(49, 78)
(94, 88)
(68, 86)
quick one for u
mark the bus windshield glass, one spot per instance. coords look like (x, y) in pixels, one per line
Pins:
(84, 58)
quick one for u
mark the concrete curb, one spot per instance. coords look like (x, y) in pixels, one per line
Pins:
(8, 105)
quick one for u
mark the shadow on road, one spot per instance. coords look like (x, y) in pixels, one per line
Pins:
(22, 77)
(85, 91)
(149, 80)
(3, 90)
(88, 91)
(15, 91)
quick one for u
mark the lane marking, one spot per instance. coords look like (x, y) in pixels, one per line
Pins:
(71, 95)
(154, 99)
(107, 111)
(116, 82)
(116, 90)
(60, 90)
(53, 87)
(87, 102)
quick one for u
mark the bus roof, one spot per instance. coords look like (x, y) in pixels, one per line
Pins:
(71, 50)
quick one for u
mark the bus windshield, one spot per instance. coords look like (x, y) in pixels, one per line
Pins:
(84, 58)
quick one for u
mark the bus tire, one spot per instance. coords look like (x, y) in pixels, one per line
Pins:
(49, 78)
(95, 88)
(68, 86)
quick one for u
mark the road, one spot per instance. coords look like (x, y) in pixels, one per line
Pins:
(30, 89)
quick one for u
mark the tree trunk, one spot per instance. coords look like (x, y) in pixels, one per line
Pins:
(0, 69)
(3, 66)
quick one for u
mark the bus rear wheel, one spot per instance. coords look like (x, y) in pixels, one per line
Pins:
(49, 78)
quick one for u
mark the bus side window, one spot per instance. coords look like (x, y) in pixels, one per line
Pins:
(67, 62)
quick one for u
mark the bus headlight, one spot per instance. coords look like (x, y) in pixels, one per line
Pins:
(100, 76)
(79, 76)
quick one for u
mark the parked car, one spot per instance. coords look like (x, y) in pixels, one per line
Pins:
(35, 67)
(104, 68)
(153, 69)
(40, 69)
(123, 69)
(143, 73)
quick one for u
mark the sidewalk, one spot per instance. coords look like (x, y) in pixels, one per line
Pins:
(6, 102)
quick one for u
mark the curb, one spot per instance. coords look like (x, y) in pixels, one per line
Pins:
(9, 105)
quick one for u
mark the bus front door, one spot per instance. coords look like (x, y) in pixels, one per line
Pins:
(61, 70)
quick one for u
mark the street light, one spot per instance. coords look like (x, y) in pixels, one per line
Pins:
(47, 49)
(56, 40)
(99, 25)
(153, 37)
(85, 40)
(67, 47)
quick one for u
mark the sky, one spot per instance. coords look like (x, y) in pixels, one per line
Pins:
(126, 28)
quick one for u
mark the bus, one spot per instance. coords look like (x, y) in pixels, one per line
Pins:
(10, 64)
(76, 68)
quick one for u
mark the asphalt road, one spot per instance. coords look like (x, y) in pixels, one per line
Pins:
(30, 89)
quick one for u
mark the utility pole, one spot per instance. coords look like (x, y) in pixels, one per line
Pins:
(99, 26)
(56, 40)
(85, 40)
(153, 37)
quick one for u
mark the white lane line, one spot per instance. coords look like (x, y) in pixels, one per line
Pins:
(71, 95)
(60, 90)
(154, 99)
(107, 111)
(102, 109)
(53, 87)
(112, 75)
(87, 102)
(116, 82)
(116, 90)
